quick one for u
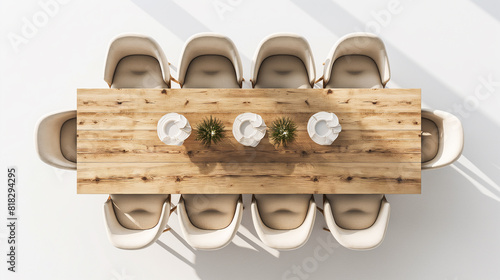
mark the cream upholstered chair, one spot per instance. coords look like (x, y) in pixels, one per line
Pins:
(357, 221)
(209, 222)
(442, 138)
(56, 139)
(283, 60)
(136, 61)
(283, 221)
(135, 221)
(210, 60)
(357, 60)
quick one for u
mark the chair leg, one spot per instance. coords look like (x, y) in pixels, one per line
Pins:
(174, 80)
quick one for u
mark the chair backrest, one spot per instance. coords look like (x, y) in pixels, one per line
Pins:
(283, 211)
(355, 211)
(359, 44)
(51, 131)
(451, 138)
(284, 239)
(284, 44)
(208, 239)
(131, 239)
(211, 211)
(362, 239)
(134, 44)
(209, 44)
(138, 211)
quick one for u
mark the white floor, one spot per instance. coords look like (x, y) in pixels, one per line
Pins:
(450, 49)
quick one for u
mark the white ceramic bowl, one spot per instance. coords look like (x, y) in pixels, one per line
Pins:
(249, 129)
(173, 129)
(324, 128)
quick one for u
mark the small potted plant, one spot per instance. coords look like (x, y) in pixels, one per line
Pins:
(210, 131)
(283, 131)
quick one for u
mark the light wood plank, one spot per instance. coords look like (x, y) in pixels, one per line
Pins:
(249, 178)
(250, 156)
(302, 150)
(381, 135)
(157, 170)
(349, 121)
(242, 100)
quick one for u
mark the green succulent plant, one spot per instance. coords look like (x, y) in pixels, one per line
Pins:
(283, 131)
(209, 131)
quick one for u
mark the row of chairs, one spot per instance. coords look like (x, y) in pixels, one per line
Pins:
(283, 222)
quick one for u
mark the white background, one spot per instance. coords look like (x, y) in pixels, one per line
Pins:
(450, 231)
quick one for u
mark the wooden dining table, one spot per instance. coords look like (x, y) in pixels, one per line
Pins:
(377, 151)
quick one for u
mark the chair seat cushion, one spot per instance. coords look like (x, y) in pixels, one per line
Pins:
(211, 71)
(138, 71)
(283, 211)
(430, 140)
(138, 211)
(355, 211)
(211, 211)
(354, 71)
(282, 71)
(68, 139)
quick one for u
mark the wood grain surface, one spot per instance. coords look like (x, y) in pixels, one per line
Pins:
(378, 150)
